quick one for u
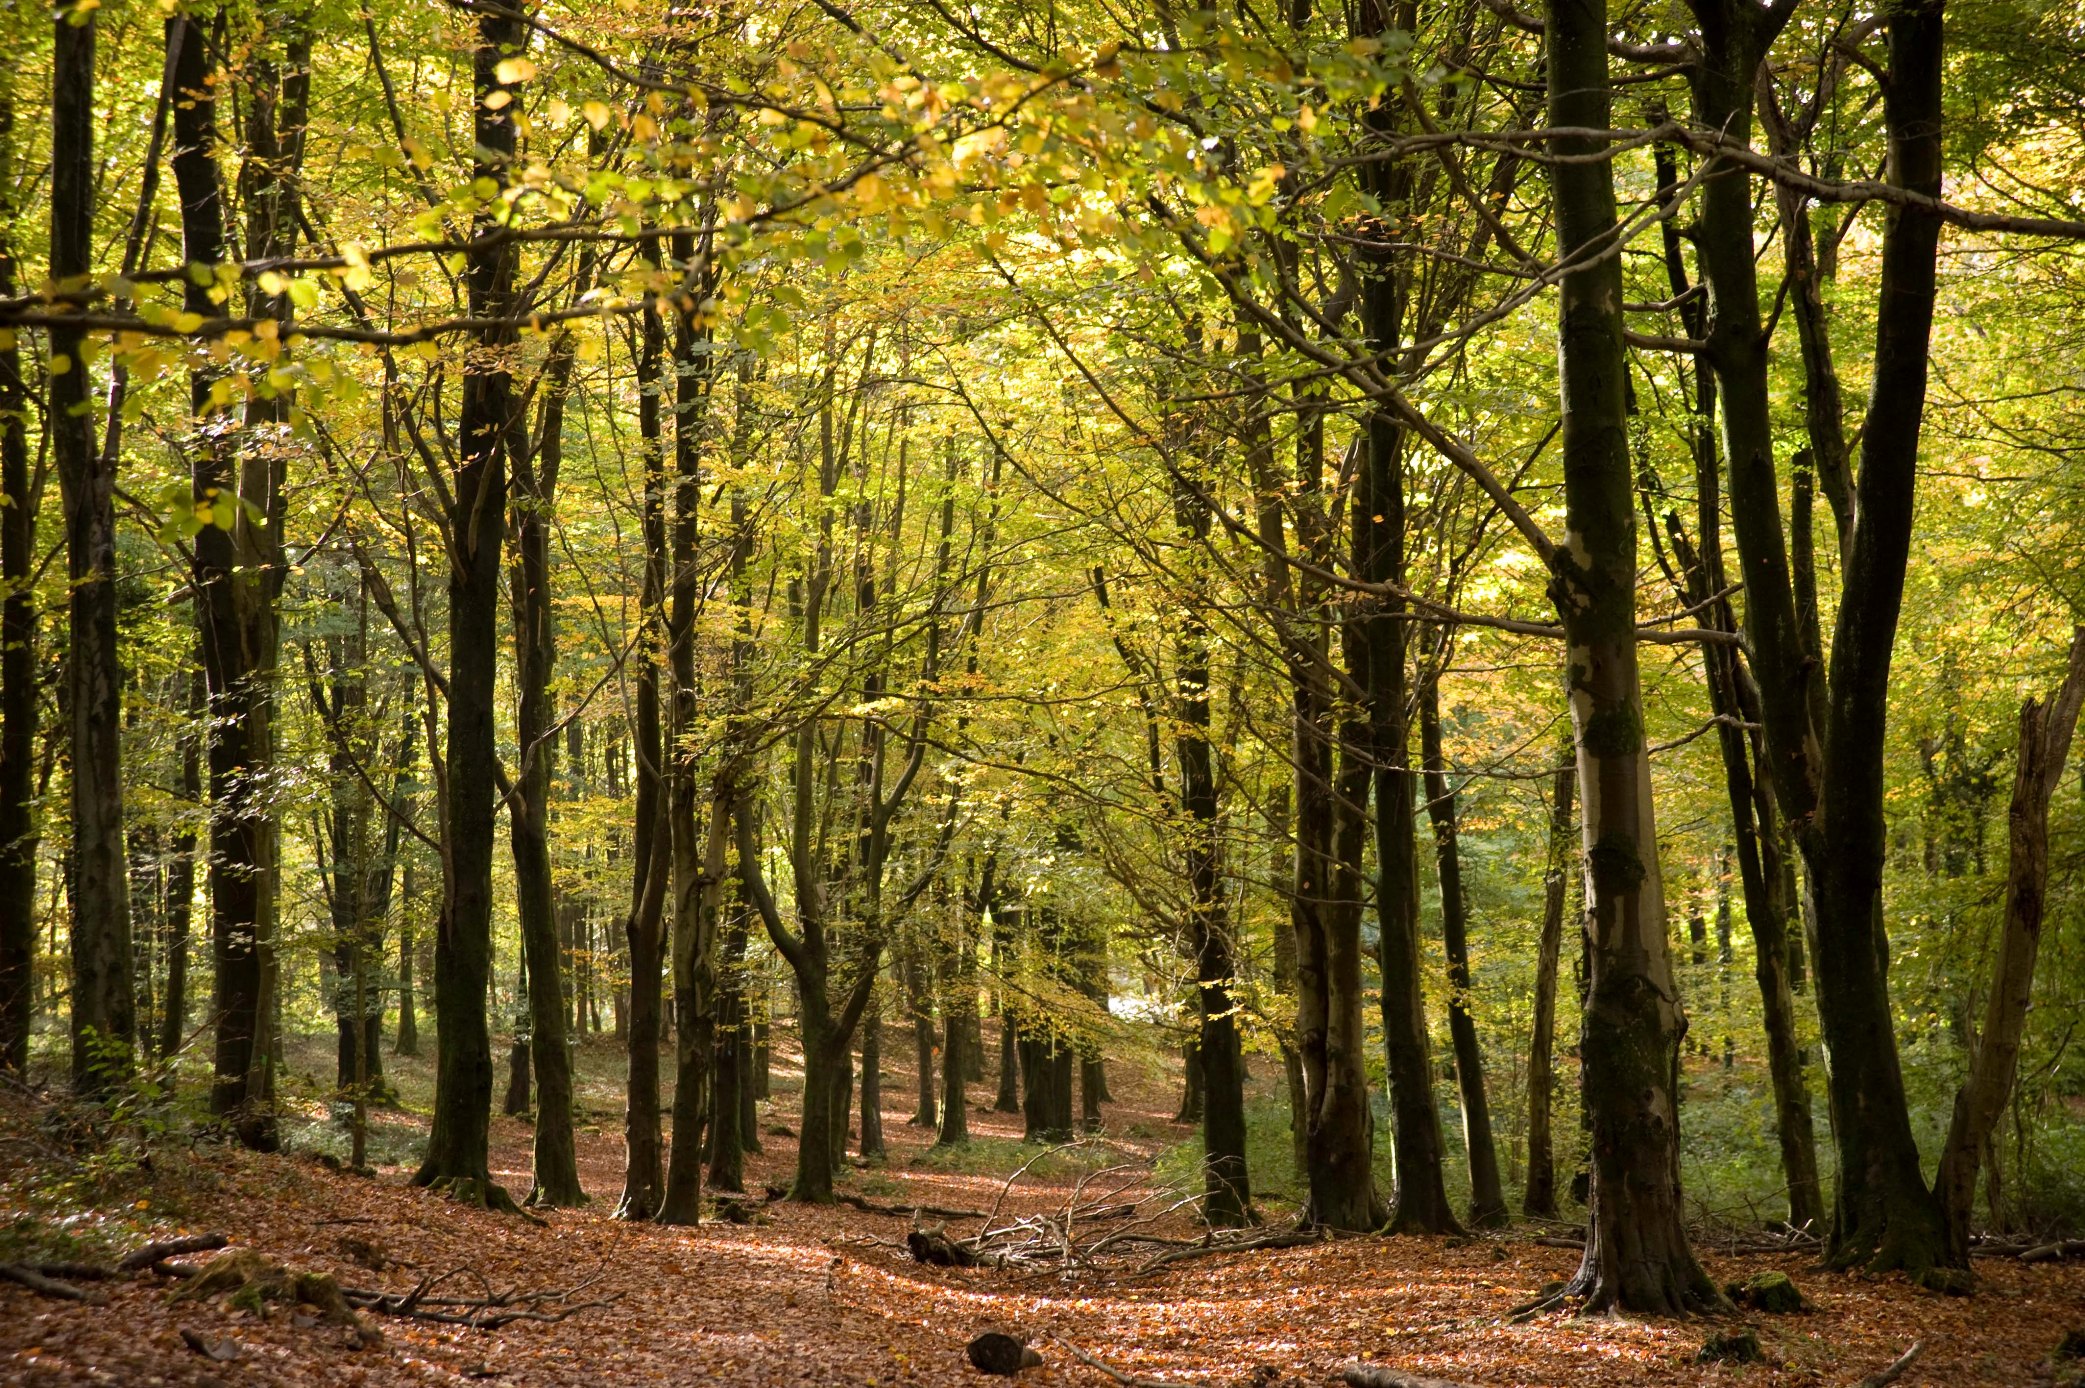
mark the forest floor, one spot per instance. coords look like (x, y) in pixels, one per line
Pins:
(829, 1296)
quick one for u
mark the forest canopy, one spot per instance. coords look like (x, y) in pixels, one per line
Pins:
(1497, 589)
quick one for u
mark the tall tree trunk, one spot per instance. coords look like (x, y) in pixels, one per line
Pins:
(555, 1179)
(1885, 1215)
(697, 851)
(1377, 542)
(1487, 1191)
(1540, 1197)
(457, 1146)
(638, 1023)
(18, 692)
(2045, 744)
(1636, 1257)
(103, 1018)
(1227, 1186)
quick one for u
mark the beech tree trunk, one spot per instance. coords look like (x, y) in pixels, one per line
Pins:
(1540, 1197)
(729, 1111)
(1736, 34)
(1637, 1257)
(697, 851)
(2045, 744)
(18, 692)
(555, 1178)
(1487, 1190)
(644, 1161)
(457, 1146)
(1885, 1214)
(102, 1015)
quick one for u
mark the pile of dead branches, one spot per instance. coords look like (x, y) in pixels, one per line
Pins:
(1112, 1219)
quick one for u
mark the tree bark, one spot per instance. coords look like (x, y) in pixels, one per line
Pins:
(2045, 744)
(18, 692)
(1540, 1197)
(644, 1169)
(102, 1015)
(457, 1146)
(728, 1128)
(1636, 1257)
(1487, 1191)
(1885, 1216)
(180, 891)
(555, 1178)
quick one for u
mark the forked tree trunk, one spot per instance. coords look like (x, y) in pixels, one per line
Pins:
(1637, 1257)
(1885, 1215)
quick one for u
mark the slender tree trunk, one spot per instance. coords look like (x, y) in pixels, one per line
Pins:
(1637, 1257)
(1218, 1057)
(872, 1143)
(457, 1147)
(959, 1011)
(103, 1019)
(1540, 1197)
(555, 1179)
(18, 692)
(2045, 743)
(1487, 1191)
(920, 1006)
(638, 1020)
(697, 855)
(180, 891)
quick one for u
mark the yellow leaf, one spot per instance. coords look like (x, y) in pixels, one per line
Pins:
(597, 113)
(495, 100)
(512, 70)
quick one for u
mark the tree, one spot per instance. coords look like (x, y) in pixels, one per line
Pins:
(476, 522)
(1636, 1256)
(103, 1016)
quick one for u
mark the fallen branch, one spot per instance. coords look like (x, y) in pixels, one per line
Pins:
(907, 1211)
(162, 1249)
(2054, 1252)
(50, 1286)
(1896, 1369)
(1287, 1238)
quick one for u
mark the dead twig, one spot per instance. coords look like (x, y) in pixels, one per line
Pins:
(1896, 1369)
(1127, 1380)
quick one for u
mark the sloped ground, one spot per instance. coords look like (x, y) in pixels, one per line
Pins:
(827, 1297)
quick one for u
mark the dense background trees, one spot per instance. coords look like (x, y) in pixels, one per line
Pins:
(1110, 524)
